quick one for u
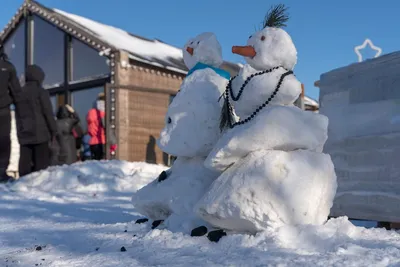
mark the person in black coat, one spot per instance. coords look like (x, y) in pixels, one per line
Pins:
(10, 92)
(67, 119)
(34, 139)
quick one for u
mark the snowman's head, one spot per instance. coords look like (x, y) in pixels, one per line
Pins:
(204, 48)
(268, 48)
(271, 46)
(192, 120)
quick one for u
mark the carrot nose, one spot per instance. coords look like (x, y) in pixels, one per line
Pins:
(246, 51)
(190, 50)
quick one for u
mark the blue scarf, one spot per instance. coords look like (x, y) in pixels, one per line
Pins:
(200, 66)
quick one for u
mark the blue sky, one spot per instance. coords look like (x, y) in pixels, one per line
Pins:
(324, 32)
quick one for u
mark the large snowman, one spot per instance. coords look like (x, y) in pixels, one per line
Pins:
(190, 132)
(274, 171)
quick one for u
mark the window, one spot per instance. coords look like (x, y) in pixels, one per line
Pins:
(48, 52)
(57, 101)
(83, 101)
(14, 47)
(87, 64)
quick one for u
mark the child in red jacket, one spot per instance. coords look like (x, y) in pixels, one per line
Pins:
(96, 128)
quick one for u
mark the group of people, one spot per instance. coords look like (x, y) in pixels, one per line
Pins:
(44, 140)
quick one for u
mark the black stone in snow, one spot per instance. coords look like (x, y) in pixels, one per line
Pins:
(216, 235)
(156, 223)
(163, 176)
(125, 231)
(123, 249)
(199, 231)
(143, 220)
(38, 248)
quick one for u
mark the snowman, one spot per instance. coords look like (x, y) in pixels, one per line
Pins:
(274, 171)
(190, 132)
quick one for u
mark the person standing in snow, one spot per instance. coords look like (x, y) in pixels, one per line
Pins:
(86, 153)
(78, 135)
(34, 141)
(67, 119)
(10, 92)
(95, 123)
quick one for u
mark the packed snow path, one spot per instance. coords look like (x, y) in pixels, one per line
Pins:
(82, 216)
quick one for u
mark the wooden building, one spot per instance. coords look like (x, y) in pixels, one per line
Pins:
(82, 58)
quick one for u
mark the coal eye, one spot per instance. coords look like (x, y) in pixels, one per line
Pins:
(169, 120)
(262, 38)
(250, 36)
(191, 43)
(198, 42)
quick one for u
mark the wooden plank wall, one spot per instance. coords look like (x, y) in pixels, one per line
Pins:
(142, 101)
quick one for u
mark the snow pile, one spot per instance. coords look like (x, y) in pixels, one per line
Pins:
(362, 103)
(90, 231)
(90, 177)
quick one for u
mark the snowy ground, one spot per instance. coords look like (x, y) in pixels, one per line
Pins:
(82, 216)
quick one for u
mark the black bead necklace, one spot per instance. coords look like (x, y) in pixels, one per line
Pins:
(248, 79)
(229, 91)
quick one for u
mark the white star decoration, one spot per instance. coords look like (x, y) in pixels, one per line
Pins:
(369, 42)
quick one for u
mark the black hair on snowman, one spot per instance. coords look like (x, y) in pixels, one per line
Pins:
(276, 17)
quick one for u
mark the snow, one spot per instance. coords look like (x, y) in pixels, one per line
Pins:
(194, 113)
(275, 128)
(311, 102)
(362, 104)
(206, 49)
(77, 225)
(275, 49)
(261, 87)
(176, 196)
(269, 188)
(273, 171)
(190, 132)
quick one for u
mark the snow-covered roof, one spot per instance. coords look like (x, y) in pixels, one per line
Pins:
(105, 37)
(311, 102)
(152, 52)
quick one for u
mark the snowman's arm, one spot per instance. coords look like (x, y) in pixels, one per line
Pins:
(234, 145)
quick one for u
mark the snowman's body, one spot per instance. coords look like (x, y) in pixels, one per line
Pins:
(186, 183)
(274, 174)
(273, 170)
(190, 132)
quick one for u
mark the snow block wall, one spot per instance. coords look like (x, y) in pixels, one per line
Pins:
(362, 102)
